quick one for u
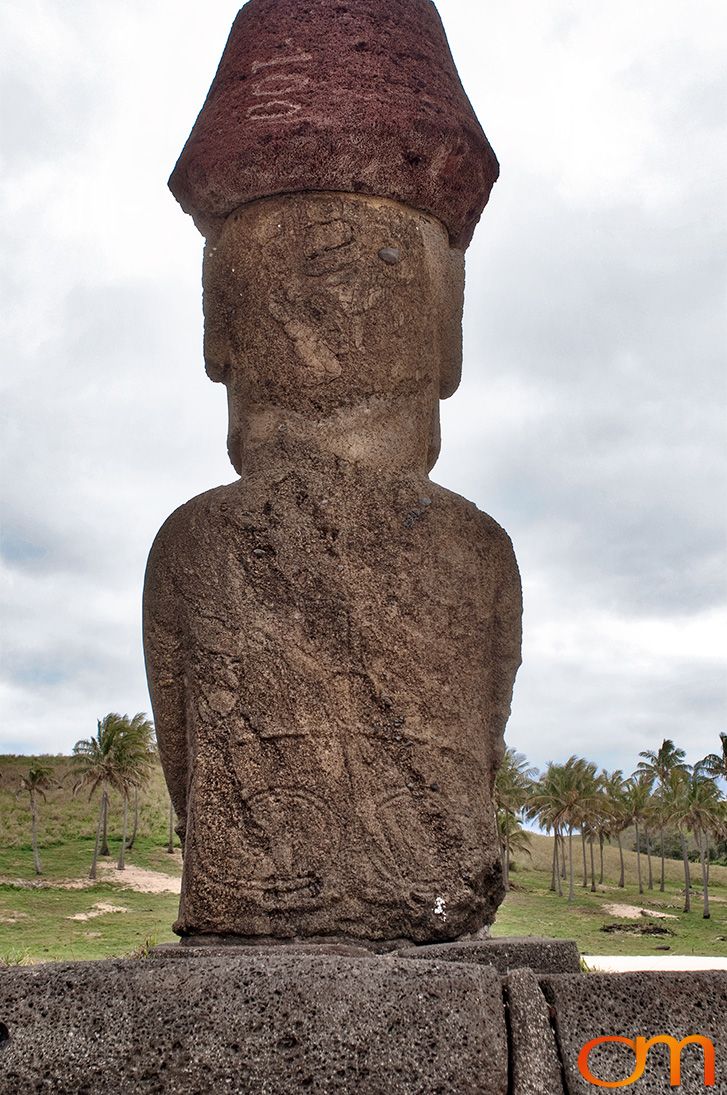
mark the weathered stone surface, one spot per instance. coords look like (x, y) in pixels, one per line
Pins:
(227, 946)
(505, 954)
(252, 1025)
(534, 1062)
(332, 641)
(645, 1005)
(361, 97)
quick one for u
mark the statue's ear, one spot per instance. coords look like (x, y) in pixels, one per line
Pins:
(216, 304)
(452, 304)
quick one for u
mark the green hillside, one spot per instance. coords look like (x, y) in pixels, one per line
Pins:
(35, 911)
(66, 818)
(531, 908)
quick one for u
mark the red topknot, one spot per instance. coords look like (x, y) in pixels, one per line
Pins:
(360, 96)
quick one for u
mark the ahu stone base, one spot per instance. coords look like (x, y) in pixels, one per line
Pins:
(277, 1020)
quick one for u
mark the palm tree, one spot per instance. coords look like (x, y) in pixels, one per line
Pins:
(638, 809)
(613, 813)
(715, 764)
(106, 762)
(702, 812)
(603, 816)
(546, 803)
(560, 800)
(136, 759)
(590, 829)
(601, 822)
(657, 767)
(37, 780)
(674, 802)
(661, 805)
(583, 802)
(514, 839)
(512, 785)
(96, 763)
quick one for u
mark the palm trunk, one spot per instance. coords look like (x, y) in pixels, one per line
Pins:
(622, 880)
(705, 875)
(593, 866)
(648, 857)
(638, 857)
(687, 877)
(571, 893)
(600, 850)
(104, 832)
(34, 830)
(501, 846)
(135, 825)
(661, 883)
(170, 841)
(99, 829)
(557, 857)
(121, 865)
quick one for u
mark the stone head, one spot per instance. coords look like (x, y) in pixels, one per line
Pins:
(337, 170)
(321, 304)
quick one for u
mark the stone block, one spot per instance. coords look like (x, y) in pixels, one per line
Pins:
(645, 1005)
(505, 954)
(220, 946)
(534, 1062)
(267, 1025)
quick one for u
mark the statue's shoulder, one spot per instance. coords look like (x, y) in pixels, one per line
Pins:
(467, 517)
(190, 522)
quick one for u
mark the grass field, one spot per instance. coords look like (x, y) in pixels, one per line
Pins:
(35, 914)
(531, 909)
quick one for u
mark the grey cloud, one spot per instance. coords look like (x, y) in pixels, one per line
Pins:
(44, 121)
(609, 328)
(83, 425)
(612, 713)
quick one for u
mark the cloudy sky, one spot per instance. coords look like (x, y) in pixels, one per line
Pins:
(591, 418)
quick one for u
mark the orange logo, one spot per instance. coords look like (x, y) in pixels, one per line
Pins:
(641, 1047)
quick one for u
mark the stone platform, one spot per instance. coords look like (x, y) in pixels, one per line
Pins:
(503, 954)
(276, 1020)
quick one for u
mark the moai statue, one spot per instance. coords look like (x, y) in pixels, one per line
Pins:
(332, 639)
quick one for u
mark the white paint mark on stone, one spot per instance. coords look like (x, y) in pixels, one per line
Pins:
(274, 108)
(276, 84)
(257, 65)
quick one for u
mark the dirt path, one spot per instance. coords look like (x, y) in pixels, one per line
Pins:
(133, 878)
(44, 884)
(635, 912)
(136, 878)
(101, 908)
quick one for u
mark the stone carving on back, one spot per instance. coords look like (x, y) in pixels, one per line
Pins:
(332, 639)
